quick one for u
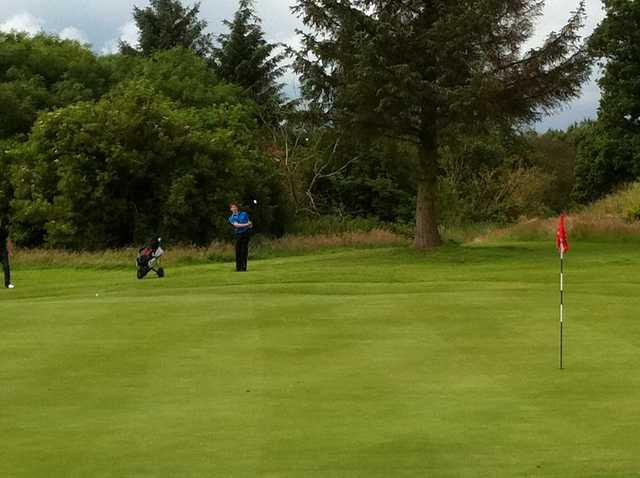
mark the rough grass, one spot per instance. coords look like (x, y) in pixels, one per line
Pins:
(582, 226)
(261, 248)
(380, 362)
(612, 218)
(619, 204)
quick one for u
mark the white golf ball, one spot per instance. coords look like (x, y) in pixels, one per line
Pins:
(255, 201)
(96, 295)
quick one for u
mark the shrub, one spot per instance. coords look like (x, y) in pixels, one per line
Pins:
(133, 166)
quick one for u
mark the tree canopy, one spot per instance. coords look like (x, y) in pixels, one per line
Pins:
(419, 71)
(245, 58)
(42, 73)
(158, 145)
(166, 24)
(414, 111)
(610, 153)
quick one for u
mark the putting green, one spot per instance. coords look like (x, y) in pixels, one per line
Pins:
(371, 363)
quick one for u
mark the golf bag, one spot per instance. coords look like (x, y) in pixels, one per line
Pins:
(149, 259)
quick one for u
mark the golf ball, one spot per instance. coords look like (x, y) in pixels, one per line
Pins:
(255, 201)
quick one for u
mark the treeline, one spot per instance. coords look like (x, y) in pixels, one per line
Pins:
(106, 151)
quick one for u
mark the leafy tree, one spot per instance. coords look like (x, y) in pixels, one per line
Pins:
(166, 24)
(554, 153)
(500, 176)
(422, 71)
(604, 160)
(179, 74)
(187, 79)
(131, 166)
(42, 73)
(373, 178)
(611, 155)
(20, 101)
(247, 59)
(120, 68)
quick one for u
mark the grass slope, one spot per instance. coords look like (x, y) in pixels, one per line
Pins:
(374, 363)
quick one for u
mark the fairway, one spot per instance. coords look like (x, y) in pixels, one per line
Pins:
(350, 363)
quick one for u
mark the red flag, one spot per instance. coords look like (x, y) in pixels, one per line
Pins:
(562, 242)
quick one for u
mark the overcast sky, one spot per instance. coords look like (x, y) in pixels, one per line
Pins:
(102, 23)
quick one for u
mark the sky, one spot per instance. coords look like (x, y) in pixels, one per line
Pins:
(102, 23)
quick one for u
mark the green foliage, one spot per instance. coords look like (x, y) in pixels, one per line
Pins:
(604, 161)
(423, 71)
(245, 58)
(128, 167)
(159, 140)
(42, 73)
(163, 152)
(167, 24)
(373, 179)
(333, 224)
(493, 178)
(178, 73)
(119, 68)
(480, 179)
(470, 69)
(554, 155)
(500, 177)
(609, 150)
(623, 203)
(617, 43)
(187, 79)
(633, 214)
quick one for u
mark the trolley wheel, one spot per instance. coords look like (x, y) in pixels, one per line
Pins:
(160, 272)
(141, 273)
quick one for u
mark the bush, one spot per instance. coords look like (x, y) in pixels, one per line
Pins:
(605, 161)
(312, 225)
(133, 166)
(41, 73)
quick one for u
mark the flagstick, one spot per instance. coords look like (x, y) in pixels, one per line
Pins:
(561, 303)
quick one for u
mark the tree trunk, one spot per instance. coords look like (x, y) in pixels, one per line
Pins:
(427, 233)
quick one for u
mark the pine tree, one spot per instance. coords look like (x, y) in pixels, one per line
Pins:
(420, 70)
(245, 58)
(166, 24)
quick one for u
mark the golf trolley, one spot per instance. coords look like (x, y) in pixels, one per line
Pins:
(149, 259)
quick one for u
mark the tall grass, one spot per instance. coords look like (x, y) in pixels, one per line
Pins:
(625, 203)
(332, 224)
(261, 248)
(465, 233)
(615, 217)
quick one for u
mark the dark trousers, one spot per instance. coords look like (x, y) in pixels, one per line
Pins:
(242, 251)
(4, 257)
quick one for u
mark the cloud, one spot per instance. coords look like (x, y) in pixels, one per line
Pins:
(128, 33)
(23, 22)
(32, 25)
(72, 33)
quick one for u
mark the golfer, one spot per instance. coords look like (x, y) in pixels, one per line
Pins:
(5, 251)
(242, 229)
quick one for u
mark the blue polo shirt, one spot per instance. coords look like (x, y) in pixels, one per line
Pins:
(240, 218)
